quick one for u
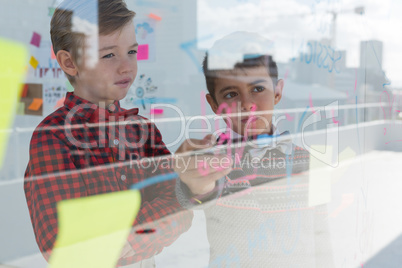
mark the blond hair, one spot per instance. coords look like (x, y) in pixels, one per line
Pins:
(112, 16)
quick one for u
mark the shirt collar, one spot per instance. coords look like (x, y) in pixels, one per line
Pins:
(90, 111)
(262, 143)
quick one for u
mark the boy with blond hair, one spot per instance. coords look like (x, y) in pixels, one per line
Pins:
(84, 147)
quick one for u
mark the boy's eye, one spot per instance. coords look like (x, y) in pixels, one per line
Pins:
(230, 95)
(132, 52)
(258, 89)
(108, 56)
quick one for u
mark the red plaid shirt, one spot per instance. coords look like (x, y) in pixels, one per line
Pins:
(81, 150)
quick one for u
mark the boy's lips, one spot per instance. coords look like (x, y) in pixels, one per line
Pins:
(123, 83)
(249, 119)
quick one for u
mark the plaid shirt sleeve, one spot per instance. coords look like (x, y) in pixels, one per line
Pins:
(161, 220)
(50, 177)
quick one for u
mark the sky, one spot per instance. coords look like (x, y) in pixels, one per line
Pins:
(290, 24)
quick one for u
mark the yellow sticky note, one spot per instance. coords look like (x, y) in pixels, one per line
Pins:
(13, 58)
(34, 62)
(93, 230)
(346, 154)
(320, 177)
(36, 104)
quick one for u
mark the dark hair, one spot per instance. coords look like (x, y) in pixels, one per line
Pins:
(250, 61)
(112, 15)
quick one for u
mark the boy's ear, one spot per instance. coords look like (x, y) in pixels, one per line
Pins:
(278, 91)
(66, 62)
(212, 103)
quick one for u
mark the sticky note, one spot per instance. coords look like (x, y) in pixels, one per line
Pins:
(36, 104)
(13, 58)
(60, 103)
(319, 185)
(24, 91)
(20, 108)
(93, 230)
(155, 17)
(69, 87)
(35, 40)
(51, 11)
(346, 154)
(34, 62)
(52, 55)
(143, 52)
(156, 111)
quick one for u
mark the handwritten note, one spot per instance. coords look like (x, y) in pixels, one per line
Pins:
(12, 69)
(93, 230)
(146, 34)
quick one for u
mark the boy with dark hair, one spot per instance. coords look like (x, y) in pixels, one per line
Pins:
(87, 146)
(266, 221)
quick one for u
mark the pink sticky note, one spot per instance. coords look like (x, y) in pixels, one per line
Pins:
(143, 52)
(52, 55)
(35, 40)
(156, 111)
(59, 103)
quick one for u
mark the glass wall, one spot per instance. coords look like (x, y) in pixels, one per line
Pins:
(303, 101)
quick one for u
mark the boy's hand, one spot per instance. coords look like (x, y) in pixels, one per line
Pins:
(200, 172)
(127, 251)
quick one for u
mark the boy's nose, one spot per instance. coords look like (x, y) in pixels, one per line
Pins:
(247, 104)
(127, 65)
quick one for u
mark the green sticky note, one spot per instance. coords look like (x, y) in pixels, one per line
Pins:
(70, 88)
(347, 154)
(20, 108)
(51, 11)
(13, 59)
(93, 230)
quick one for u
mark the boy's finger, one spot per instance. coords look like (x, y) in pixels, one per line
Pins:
(195, 144)
(211, 139)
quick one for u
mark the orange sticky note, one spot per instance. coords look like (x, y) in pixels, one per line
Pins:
(52, 55)
(155, 17)
(34, 62)
(36, 104)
